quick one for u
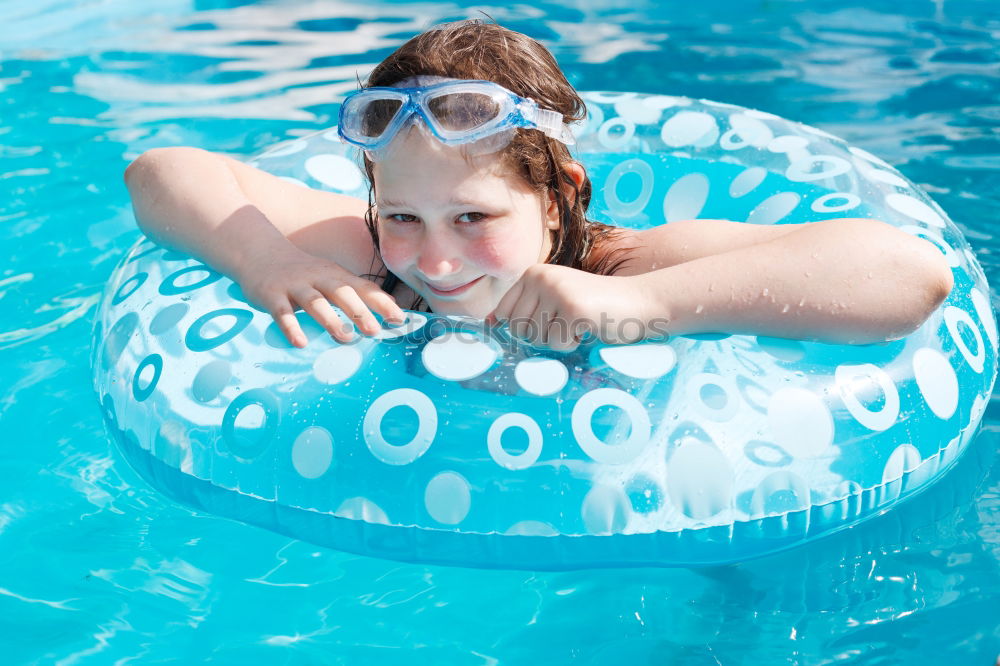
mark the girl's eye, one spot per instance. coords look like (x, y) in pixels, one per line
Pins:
(402, 217)
(471, 217)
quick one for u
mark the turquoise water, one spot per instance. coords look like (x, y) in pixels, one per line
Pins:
(96, 568)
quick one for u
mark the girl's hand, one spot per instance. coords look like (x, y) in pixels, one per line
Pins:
(556, 306)
(288, 278)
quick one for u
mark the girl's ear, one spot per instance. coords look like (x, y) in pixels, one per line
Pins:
(576, 174)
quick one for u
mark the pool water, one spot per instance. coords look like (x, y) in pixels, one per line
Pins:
(97, 568)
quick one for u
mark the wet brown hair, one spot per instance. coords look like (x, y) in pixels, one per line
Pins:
(486, 51)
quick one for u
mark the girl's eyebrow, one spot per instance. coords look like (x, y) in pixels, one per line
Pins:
(390, 203)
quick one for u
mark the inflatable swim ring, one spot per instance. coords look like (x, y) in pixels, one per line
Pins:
(437, 442)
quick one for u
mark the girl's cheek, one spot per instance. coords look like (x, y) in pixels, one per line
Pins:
(395, 252)
(501, 257)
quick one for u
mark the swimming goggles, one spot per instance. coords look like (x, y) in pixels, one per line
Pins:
(455, 112)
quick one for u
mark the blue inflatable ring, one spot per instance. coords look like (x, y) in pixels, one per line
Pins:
(436, 442)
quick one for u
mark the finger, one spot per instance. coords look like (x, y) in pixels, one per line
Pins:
(348, 300)
(501, 312)
(289, 325)
(320, 309)
(522, 322)
(381, 302)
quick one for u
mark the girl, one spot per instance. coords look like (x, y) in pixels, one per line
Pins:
(475, 214)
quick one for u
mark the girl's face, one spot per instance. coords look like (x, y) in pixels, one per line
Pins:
(458, 231)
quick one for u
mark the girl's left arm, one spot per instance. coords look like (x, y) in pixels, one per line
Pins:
(841, 281)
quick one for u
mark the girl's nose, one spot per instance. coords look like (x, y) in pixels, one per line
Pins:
(438, 258)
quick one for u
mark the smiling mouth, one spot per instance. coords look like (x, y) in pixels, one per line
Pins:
(460, 289)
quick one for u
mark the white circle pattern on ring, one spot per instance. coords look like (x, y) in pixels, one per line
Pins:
(609, 140)
(312, 452)
(641, 360)
(936, 380)
(686, 197)
(800, 422)
(610, 454)
(338, 364)
(416, 447)
(848, 377)
(954, 316)
(690, 128)
(726, 410)
(457, 356)
(634, 207)
(823, 205)
(541, 376)
(800, 170)
(912, 207)
(494, 441)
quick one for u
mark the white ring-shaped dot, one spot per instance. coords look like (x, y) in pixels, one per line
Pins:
(332, 135)
(985, 314)
(416, 447)
(625, 131)
(362, 508)
(800, 422)
(718, 405)
(641, 360)
(494, 441)
(746, 131)
(800, 171)
(774, 208)
(747, 181)
(312, 452)
(610, 454)
(854, 379)
(954, 316)
(335, 171)
(448, 498)
(457, 356)
(923, 232)
(414, 322)
(338, 364)
(686, 197)
(690, 128)
(847, 202)
(541, 376)
(285, 148)
(629, 208)
(914, 208)
(936, 380)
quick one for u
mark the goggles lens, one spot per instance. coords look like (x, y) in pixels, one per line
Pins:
(370, 117)
(464, 111)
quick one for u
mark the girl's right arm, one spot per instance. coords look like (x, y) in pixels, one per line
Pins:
(287, 246)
